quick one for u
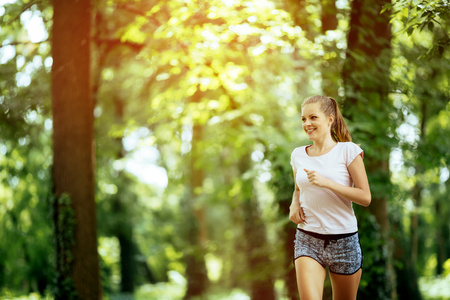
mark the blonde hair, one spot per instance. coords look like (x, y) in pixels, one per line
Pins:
(329, 106)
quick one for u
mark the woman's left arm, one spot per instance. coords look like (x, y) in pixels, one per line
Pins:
(359, 194)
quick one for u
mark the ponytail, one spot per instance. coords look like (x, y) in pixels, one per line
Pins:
(339, 130)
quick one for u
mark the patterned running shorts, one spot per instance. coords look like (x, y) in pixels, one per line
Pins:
(342, 253)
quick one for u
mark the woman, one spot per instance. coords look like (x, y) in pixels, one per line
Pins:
(329, 176)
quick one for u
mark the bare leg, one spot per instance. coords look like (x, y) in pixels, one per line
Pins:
(310, 278)
(345, 287)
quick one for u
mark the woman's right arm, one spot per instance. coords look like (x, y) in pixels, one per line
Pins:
(296, 214)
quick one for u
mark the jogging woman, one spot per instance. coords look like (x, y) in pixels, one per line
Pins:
(329, 177)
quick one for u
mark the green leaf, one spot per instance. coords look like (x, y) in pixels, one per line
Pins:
(405, 12)
(386, 7)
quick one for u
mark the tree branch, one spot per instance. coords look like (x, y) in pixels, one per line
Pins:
(24, 43)
(116, 42)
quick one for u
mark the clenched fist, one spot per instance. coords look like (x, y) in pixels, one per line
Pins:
(316, 179)
(296, 214)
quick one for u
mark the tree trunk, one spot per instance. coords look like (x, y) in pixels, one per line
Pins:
(124, 232)
(195, 224)
(330, 66)
(257, 253)
(407, 284)
(73, 148)
(300, 16)
(329, 15)
(442, 229)
(288, 237)
(366, 82)
(418, 188)
(128, 265)
(258, 260)
(415, 217)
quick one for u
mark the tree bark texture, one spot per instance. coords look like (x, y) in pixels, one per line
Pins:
(73, 141)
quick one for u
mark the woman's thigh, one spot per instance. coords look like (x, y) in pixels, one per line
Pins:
(345, 287)
(310, 278)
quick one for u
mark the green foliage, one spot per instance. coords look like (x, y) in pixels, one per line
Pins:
(25, 152)
(425, 14)
(422, 101)
(238, 69)
(211, 71)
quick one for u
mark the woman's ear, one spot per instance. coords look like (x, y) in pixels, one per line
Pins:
(331, 120)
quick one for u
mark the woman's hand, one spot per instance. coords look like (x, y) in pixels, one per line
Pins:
(316, 179)
(359, 193)
(296, 214)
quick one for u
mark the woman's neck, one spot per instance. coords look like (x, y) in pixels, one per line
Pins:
(323, 146)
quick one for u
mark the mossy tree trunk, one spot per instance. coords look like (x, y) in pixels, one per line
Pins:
(73, 148)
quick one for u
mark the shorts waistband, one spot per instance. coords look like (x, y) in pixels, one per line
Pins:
(327, 237)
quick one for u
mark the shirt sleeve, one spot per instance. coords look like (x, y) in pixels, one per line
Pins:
(352, 152)
(293, 162)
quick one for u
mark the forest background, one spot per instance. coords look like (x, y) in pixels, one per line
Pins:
(193, 108)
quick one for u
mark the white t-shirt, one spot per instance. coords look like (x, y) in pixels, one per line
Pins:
(325, 211)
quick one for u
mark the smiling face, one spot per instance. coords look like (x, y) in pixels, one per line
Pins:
(315, 123)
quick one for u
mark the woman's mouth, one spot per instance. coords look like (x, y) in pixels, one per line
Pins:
(309, 131)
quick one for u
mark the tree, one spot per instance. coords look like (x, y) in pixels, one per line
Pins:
(424, 98)
(421, 96)
(196, 228)
(73, 153)
(367, 86)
